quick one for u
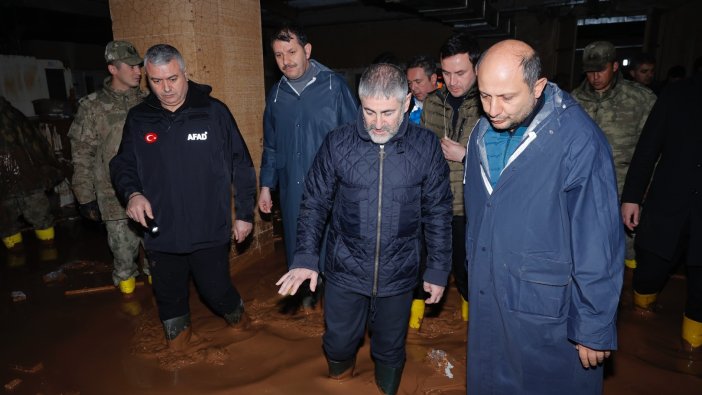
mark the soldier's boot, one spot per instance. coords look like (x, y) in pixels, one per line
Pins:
(238, 319)
(691, 335)
(178, 332)
(127, 286)
(416, 313)
(643, 303)
(13, 242)
(388, 378)
(341, 370)
(465, 309)
(45, 236)
(630, 263)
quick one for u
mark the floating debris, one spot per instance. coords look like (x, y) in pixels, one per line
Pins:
(36, 368)
(18, 296)
(53, 277)
(440, 361)
(12, 385)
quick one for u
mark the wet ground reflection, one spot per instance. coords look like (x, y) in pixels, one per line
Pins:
(67, 331)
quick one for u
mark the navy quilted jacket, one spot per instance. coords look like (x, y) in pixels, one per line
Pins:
(380, 198)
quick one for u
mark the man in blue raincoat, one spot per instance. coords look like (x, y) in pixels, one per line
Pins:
(544, 243)
(309, 101)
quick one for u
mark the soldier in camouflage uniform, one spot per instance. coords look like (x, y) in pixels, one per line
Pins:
(28, 169)
(618, 106)
(95, 136)
(451, 113)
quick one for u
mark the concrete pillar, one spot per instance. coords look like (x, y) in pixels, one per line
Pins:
(221, 43)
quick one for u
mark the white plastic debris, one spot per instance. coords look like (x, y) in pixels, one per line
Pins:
(440, 361)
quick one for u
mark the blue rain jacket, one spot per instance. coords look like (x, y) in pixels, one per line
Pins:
(545, 256)
(294, 127)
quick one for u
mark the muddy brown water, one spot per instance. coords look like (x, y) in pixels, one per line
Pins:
(58, 338)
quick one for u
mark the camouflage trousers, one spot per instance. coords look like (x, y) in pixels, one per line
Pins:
(34, 207)
(621, 171)
(124, 241)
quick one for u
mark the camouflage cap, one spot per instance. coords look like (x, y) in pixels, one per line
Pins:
(122, 51)
(597, 54)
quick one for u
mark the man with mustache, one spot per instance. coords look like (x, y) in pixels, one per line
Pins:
(309, 101)
(383, 181)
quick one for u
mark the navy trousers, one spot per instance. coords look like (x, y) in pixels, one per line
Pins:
(210, 270)
(347, 314)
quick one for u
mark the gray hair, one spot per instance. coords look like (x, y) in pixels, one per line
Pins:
(163, 54)
(383, 80)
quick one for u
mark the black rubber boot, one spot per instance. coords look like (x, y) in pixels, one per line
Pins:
(174, 326)
(238, 318)
(388, 378)
(340, 370)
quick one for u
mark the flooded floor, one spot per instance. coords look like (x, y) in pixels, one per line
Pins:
(65, 330)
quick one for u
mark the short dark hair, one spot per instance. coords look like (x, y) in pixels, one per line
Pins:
(427, 63)
(531, 68)
(462, 42)
(642, 58)
(286, 31)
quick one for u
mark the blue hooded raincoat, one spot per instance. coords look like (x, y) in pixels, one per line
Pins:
(545, 256)
(294, 126)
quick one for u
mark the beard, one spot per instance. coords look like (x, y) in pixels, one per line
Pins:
(390, 132)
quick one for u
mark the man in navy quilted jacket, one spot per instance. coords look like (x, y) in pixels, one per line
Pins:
(381, 181)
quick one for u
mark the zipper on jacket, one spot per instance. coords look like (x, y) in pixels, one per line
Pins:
(377, 229)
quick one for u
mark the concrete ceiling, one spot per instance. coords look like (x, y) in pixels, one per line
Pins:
(88, 21)
(482, 17)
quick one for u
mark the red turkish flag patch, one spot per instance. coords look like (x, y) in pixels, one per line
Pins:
(150, 137)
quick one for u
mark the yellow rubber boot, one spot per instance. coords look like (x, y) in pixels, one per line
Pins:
(692, 332)
(630, 263)
(45, 234)
(416, 313)
(13, 240)
(644, 301)
(465, 309)
(127, 286)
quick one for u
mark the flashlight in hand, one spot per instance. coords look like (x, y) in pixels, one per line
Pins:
(151, 224)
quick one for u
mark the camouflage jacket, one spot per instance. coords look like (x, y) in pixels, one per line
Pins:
(95, 136)
(621, 113)
(436, 116)
(27, 163)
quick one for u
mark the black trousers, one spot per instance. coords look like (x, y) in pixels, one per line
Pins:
(347, 314)
(459, 267)
(210, 270)
(652, 272)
